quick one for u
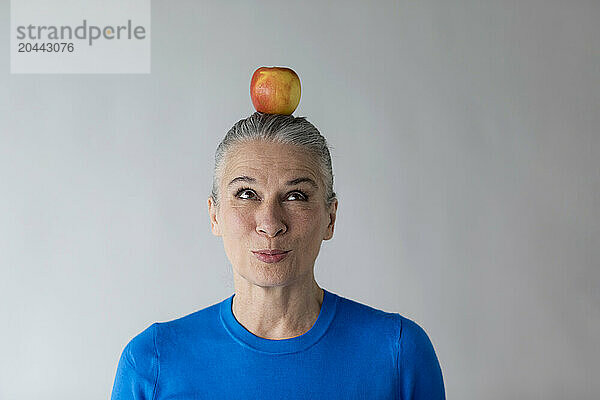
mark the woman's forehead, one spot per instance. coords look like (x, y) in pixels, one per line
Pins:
(263, 161)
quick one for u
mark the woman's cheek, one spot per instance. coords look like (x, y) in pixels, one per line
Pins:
(241, 220)
(305, 218)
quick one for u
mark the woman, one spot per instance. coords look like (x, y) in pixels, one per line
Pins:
(279, 336)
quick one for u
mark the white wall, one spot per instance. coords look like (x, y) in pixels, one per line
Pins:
(466, 159)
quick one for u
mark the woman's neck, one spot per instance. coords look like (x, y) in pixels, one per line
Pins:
(277, 312)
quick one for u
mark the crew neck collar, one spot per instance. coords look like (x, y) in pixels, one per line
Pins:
(282, 346)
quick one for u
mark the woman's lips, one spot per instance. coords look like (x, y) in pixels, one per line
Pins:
(271, 256)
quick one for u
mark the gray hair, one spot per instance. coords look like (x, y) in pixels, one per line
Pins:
(277, 128)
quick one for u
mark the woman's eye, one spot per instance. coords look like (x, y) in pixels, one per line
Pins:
(248, 194)
(245, 194)
(299, 195)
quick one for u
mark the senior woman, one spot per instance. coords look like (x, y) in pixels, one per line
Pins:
(280, 335)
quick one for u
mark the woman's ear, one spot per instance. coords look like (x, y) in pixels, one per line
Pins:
(212, 213)
(332, 215)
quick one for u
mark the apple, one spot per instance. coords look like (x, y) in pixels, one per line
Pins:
(275, 90)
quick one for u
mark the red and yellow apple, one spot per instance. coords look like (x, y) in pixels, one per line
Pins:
(275, 90)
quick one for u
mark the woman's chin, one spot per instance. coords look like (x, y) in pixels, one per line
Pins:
(275, 274)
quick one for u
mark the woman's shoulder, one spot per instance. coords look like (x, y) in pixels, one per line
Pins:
(139, 356)
(361, 311)
(193, 318)
(356, 318)
(204, 321)
(394, 324)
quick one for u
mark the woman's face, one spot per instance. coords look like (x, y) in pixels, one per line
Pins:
(272, 197)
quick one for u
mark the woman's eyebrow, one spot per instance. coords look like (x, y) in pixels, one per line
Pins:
(289, 183)
(242, 179)
(303, 179)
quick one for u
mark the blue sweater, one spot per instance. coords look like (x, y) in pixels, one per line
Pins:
(353, 351)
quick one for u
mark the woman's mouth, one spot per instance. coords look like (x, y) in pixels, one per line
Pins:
(271, 256)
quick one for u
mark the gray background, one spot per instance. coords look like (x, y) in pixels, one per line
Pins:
(466, 159)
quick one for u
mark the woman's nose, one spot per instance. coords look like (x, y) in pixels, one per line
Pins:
(270, 219)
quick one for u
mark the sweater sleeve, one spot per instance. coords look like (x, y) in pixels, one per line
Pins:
(137, 371)
(419, 372)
